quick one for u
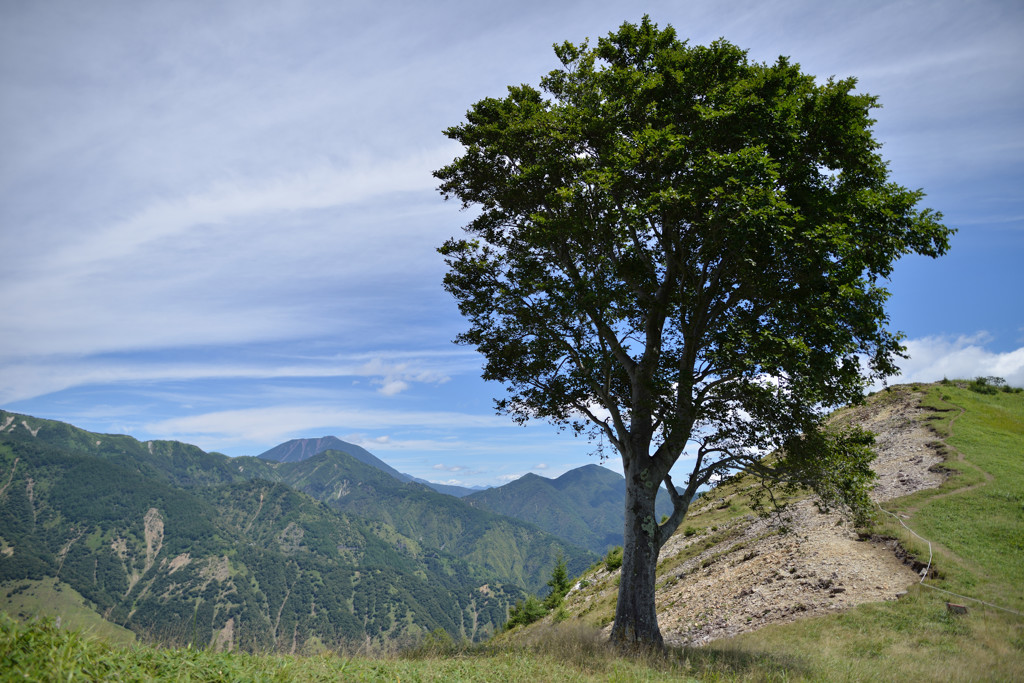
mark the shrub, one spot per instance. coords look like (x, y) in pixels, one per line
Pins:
(613, 560)
(987, 385)
(525, 612)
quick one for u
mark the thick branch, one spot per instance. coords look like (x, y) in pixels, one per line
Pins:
(680, 505)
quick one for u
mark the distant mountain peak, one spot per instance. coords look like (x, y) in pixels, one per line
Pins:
(298, 450)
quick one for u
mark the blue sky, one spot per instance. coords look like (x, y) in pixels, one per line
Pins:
(218, 222)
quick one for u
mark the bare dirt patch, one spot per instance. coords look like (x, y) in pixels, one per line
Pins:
(153, 529)
(217, 569)
(760, 576)
(224, 639)
(178, 562)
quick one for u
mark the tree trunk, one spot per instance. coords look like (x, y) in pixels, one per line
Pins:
(636, 621)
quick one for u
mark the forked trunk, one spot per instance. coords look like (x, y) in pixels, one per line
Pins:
(636, 621)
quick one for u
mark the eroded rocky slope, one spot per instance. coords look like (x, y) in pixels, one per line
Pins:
(747, 572)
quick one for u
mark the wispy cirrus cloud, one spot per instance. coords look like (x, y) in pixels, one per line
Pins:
(270, 424)
(38, 377)
(315, 188)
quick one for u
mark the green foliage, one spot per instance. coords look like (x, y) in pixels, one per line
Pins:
(559, 584)
(732, 220)
(834, 462)
(990, 385)
(613, 560)
(532, 609)
(525, 612)
(986, 385)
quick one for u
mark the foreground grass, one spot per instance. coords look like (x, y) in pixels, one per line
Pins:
(41, 651)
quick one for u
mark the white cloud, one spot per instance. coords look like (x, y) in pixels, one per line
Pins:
(540, 466)
(509, 477)
(392, 387)
(963, 357)
(395, 378)
(448, 468)
(316, 187)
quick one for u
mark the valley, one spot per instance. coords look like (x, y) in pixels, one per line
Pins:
(186, 547)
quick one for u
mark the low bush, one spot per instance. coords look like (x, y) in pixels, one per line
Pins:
(613, 560)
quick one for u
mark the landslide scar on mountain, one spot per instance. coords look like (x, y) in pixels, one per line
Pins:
(14, 466)
(178, 562)
(153, 528)
(255, 514)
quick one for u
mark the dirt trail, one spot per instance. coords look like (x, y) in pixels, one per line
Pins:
(959, 458)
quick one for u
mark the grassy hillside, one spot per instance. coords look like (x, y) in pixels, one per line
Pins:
(974, 521)
(50, 598)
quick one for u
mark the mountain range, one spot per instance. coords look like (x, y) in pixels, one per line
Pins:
(585, 505)
(180, 545)
(314, 539)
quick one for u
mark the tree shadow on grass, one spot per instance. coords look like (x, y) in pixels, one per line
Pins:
(711, 663)
(589, 650)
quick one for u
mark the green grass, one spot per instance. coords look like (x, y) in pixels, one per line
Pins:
(975, 521)
(47, 598)
(982, 528)
(40, 651)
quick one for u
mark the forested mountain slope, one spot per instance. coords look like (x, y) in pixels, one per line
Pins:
(182, 546)
(512, 550)
(584, 505)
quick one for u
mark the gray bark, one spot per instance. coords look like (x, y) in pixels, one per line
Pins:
(636, 619)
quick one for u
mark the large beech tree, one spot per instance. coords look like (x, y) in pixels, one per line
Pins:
(677, 249)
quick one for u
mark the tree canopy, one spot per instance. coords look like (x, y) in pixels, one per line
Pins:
(679, 249)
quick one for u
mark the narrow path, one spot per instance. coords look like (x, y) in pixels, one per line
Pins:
(959, 458)
(909, 512)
